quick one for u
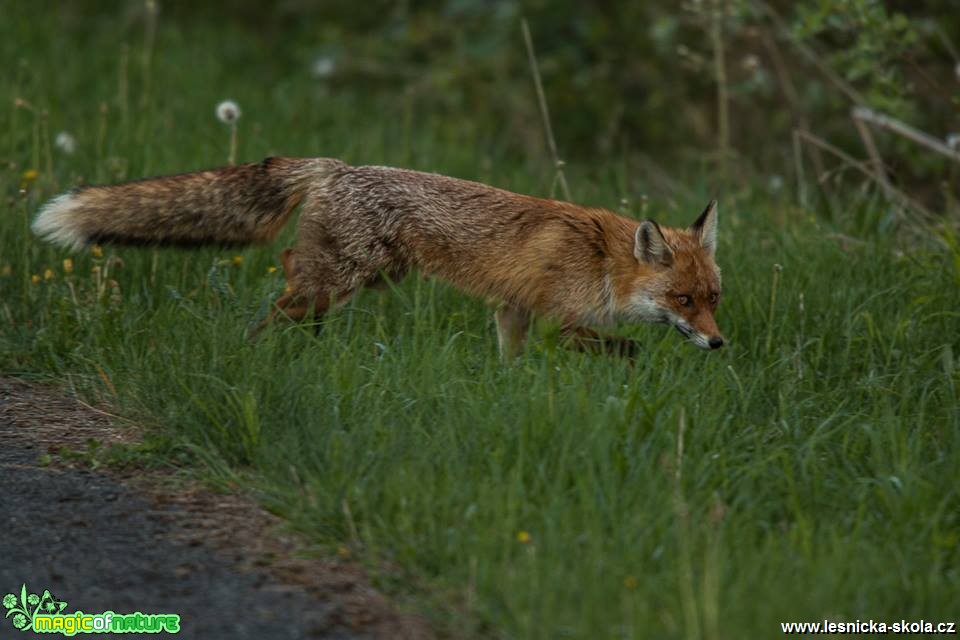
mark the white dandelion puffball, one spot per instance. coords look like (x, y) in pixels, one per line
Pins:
(323, 67)
(228, 112)
(65, 142)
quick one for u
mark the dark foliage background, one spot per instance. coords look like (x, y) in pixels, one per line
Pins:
(622, 79)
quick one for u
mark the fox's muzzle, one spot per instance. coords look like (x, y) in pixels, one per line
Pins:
(699, 339)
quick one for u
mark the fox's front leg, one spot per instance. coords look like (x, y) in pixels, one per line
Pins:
(512, 325)
(589, 341)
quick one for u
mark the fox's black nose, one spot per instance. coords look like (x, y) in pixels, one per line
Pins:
(716, 342)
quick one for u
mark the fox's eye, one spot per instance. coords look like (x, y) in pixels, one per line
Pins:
(684, 301)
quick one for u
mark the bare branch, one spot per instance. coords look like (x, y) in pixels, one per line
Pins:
(867, 171)
(903, 129)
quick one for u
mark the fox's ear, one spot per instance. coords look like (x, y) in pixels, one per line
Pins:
(650, 245)
(705, 228)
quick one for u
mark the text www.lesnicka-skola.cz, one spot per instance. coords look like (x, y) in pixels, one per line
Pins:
(870, 626)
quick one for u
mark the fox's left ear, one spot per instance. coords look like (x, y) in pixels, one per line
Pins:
(705, 228)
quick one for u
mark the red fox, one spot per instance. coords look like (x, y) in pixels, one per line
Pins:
(360, 225)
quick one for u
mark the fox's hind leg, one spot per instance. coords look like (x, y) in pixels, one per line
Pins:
(290, 304)
(512, 325)
(300, 298)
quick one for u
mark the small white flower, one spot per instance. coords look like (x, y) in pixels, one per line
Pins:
(953, 141)
(65, 142)
(775, 183)
(750, 62)
(323, 67)
(228, 112)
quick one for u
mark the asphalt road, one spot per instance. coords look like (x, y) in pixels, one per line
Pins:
(99, 546)
(155, 540)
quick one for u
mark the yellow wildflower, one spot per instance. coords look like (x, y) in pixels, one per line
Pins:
(67, 265)
(96, 250)
(271, 269)
(7, 270)
(523, 537)
(237, 261)
(29, 176)
(48, 274)
(631, 583)
(35, 279)
(343, 552)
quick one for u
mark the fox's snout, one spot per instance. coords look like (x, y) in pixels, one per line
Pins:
(699, 338)
(704, 341)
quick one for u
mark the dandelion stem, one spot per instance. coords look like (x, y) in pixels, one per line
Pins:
(232, 158)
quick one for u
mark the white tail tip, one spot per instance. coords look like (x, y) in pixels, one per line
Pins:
(57, 223)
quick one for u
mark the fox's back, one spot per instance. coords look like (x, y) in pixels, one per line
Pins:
(481, 238)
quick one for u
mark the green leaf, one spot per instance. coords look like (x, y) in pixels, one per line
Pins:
(23, 596)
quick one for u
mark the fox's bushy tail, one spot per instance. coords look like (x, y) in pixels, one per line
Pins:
(227, 206)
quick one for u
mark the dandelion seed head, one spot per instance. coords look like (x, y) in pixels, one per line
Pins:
(65, 142)
(228, 112)
(750, 63)
(323, 67)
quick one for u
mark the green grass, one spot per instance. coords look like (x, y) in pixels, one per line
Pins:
(546, 498)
